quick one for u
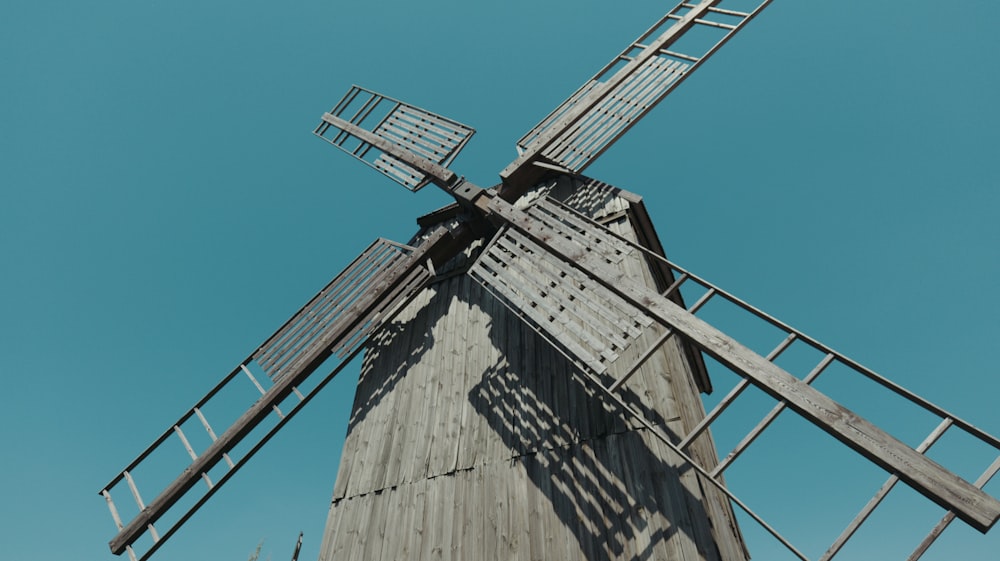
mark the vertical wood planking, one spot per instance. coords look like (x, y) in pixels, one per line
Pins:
(480, 424)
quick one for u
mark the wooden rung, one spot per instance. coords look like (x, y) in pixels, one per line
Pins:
(782, 346)
(111, 507)
(134, 489)
(152, 532)
(246, 371)
(675, 285)
(211, 433)
(681, 56)
(719, 409)
(184, 441)
(710, 23)
(729, 12)
(703, 300)
(204, 423)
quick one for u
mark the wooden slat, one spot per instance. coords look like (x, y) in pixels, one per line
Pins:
(414, 281)
(574, 298)
(409, 140)
(537, 292)
(584, 233)
(439, 139)
(456, 131)
(494, 279)
(275, 353)
(621, 107)
(398, 171)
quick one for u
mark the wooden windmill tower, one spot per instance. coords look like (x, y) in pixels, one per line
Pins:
(531, 375)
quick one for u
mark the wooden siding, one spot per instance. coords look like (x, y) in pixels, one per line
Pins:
(472, 438)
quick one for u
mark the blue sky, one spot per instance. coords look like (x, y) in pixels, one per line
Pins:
(164, 207)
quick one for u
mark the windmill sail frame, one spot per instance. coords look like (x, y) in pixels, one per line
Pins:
(960, 498)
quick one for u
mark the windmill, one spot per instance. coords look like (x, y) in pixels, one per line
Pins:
(538, 250)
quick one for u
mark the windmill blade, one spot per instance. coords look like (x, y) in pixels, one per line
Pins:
(407, 144)
(566, 253)
(610, 103)
(331, 328)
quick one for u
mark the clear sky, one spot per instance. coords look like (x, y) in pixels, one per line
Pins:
(164, 207)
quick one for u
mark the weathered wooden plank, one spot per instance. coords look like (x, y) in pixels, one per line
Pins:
(386, 284)
(411, 284)
(421, 525)
(337, 528)
(456, 130)
(413, 131)
(375, 530)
